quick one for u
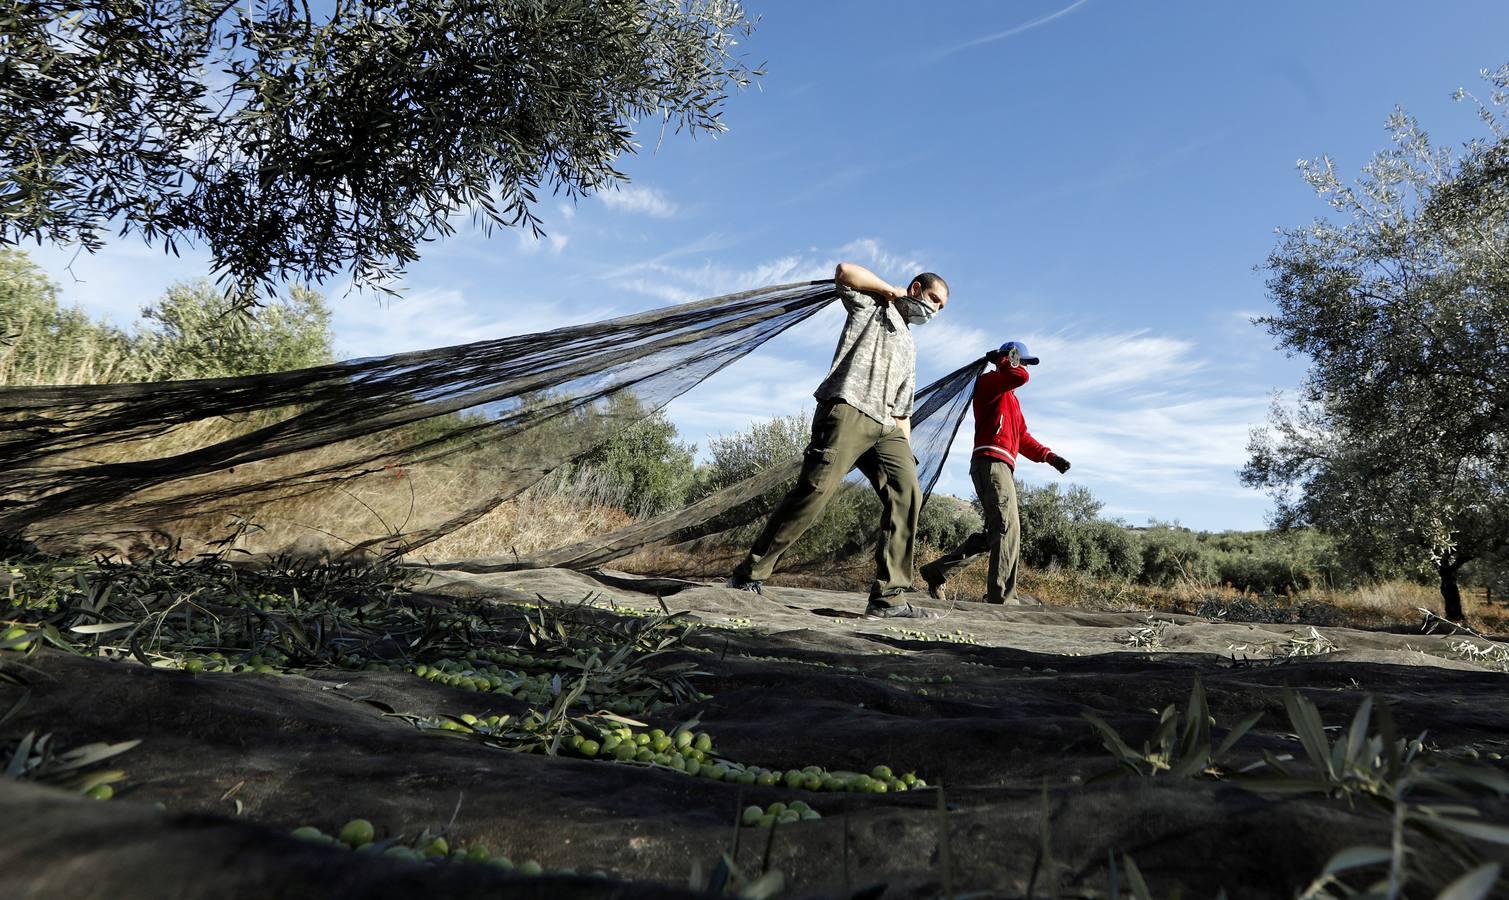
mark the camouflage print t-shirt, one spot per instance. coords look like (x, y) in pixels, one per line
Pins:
(875, 366)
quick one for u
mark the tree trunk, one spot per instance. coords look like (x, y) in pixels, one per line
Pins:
(1451, 593)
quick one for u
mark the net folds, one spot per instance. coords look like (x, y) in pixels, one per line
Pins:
(385, 455)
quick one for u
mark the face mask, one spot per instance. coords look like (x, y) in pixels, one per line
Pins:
(916, 311)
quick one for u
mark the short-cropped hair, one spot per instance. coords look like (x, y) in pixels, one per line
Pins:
(931, 280)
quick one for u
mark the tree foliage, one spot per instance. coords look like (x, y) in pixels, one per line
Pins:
(848, 523)
(733, 458)
(649, 463)
(946, 522)
(1063, 528)
(1401, 302)
(196, 331)
(193, 331)
(43, 342)
(298, 146)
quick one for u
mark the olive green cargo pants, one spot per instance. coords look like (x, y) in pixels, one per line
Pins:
(843, 438)
(1002, 537)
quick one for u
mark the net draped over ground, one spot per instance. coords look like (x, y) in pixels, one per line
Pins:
(387, 454)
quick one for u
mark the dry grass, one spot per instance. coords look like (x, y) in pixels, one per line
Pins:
(86, 361)
(310, 514)
(1379, 605)
(556, 512)
(1390, 598)
(1383, 605)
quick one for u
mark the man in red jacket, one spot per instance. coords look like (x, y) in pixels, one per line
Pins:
(1000, 434)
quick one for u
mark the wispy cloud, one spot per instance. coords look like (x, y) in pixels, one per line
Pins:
(553, 242)
(1010, 32)
(710, 279)
(777, 380)
(1140, 415)
(889, 264)
(1078, 365)
(640, 200)
(659, 277)
(945, 343)
(836, 182)
(120, 279)
(707, 243)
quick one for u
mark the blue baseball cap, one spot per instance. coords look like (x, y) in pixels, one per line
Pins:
(1027, 358)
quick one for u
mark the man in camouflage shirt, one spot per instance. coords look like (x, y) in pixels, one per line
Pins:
(863, 419)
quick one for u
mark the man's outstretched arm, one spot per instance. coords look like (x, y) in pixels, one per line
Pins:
(858, 278)
(1034, 450)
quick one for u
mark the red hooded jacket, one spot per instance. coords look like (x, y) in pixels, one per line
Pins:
(1000, 431)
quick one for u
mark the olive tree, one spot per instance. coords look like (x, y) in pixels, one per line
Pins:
(298, 145)
(44, 342)
(648, 461)
(1400, 299)
(195, 331)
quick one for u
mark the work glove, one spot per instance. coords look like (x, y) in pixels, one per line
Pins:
(1010, 359)
(1058, 462)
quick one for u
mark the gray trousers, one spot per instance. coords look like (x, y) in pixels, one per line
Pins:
(1002, 537)
(843, 438)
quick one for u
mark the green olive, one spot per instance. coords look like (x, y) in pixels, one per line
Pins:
(357, 832)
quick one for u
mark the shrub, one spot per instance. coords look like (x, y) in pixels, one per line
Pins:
(947, 521)
(848, 522)
(1062, 528)
(652, 468)
(1121, 548)
(1173, 555)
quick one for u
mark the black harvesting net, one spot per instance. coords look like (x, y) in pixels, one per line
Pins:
(385, 455)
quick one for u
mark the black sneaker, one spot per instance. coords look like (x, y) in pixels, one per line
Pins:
(934, 583)
(898, 611)
(744, 584)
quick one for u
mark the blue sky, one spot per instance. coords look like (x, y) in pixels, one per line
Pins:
(1097, 178)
